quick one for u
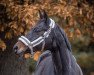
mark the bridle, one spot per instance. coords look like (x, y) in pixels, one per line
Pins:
(39, 40)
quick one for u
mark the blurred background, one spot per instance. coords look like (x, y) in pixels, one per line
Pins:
(17, 17)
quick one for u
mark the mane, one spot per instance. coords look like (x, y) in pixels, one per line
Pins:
(63, 35)
(65, 38)
(64, 49)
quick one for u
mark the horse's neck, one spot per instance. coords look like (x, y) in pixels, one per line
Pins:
(56, 61)
(61, 53)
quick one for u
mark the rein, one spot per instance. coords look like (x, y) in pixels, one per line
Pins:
(39, 40)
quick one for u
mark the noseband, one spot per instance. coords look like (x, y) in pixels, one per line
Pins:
(39, 40)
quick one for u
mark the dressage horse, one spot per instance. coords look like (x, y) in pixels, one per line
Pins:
(49, 38)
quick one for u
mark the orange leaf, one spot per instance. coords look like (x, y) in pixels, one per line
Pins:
(36, 55)
(78, 32)
(8, 35)
(27, 55)
(2, 45)
(20, 29)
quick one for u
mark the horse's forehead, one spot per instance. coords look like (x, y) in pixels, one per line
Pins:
(40, 23)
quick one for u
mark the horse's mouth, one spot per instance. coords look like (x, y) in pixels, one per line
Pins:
(26, 53)
(23, 54)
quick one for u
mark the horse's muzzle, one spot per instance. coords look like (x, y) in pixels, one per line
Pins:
(15, 49)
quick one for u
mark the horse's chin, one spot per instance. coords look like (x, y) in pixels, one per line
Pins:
(22, 55)
(27, 54)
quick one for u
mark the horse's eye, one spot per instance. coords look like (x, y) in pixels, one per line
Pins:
(40, 32)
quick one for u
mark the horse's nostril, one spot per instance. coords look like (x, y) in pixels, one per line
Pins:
(15, 48)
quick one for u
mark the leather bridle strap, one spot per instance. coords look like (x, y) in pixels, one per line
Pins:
(38, 40)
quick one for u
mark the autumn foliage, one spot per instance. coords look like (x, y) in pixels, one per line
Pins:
(76, 17)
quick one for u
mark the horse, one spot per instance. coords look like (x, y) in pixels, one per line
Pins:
(49, 38)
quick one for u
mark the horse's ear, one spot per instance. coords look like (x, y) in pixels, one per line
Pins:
(43, 14)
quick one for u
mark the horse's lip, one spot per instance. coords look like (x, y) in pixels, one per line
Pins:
(17, 55)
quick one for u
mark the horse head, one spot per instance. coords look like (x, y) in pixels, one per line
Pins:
(38, 38)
